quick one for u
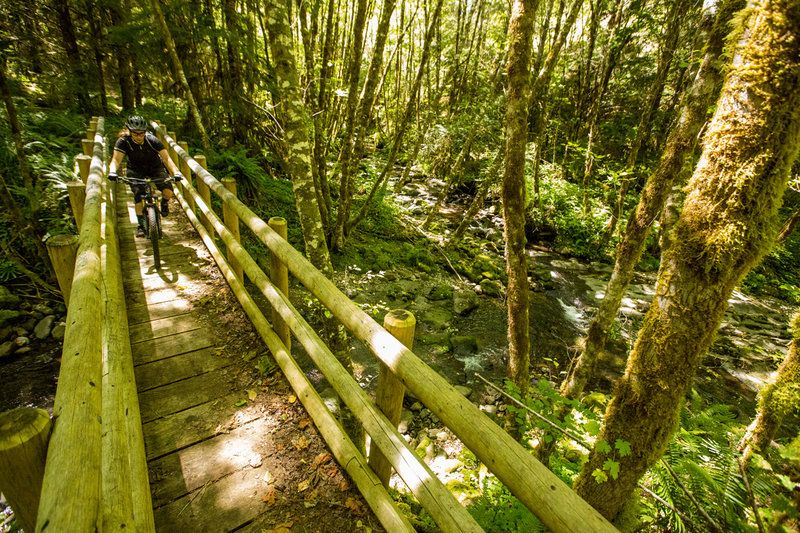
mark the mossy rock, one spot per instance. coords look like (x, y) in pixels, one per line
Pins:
(441, 292)
(492, 287)
(9, 317)
(464, 344)
(8, 300)
(435, 338)
(437, 317)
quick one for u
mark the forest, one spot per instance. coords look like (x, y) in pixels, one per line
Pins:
(656, 138)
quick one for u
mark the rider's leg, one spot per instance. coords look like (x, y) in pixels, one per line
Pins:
(166, 194)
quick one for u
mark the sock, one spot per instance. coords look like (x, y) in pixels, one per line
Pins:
(140, 219)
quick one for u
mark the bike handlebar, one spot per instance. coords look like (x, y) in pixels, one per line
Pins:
(140, 181)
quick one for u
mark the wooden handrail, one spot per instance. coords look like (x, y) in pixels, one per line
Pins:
(541, 491)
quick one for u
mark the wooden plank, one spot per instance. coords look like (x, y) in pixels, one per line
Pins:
(144, 313)
(245, 447)
(197, 424)
(159, 373)
(154, 296)
(164, 327)
(153, 350)
(181, 395)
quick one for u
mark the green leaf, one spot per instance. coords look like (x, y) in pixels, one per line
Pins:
(592, 427)
(612, 467)
(240, 403)
(602, 447)
(624, 448)
(599, 476)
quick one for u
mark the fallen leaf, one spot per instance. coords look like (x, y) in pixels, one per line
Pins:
(344, 486)
(269, 497)
(269, 479)
(332, 470)
(292, 398)
(252, 394)
(310, 504)
(303, 485)
(321, 459)
(301, 443)
(240, 403)
(304, 423)
(355, 506)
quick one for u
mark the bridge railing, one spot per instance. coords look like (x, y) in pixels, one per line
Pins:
(95, 475)
(553, 502)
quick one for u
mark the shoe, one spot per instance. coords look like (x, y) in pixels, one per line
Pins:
(140, 231)
(164, 208)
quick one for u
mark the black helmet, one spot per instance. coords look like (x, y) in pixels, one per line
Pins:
(136, 122)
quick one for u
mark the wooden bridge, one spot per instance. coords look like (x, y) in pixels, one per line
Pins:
(146, 433)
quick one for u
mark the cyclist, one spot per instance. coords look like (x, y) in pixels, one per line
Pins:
(147, 158)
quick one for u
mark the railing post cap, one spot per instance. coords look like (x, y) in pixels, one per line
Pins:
(400, 318)
(61, 240)
(277, 221)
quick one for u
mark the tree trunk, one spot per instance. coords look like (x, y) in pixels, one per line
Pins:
(176, 61)
(520, 33)
(117, 14)
(775, 400)
(320, 152)
(654, 194)
(78, 82)
(789, 226)
(234, 80)
(727, 226)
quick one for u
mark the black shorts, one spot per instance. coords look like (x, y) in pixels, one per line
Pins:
(139, 190)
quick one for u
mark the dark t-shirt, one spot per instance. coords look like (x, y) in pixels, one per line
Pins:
(143, 159)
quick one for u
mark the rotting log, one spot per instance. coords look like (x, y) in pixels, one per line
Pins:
(541, 491)
(390, 391)
(445, 510)
(125, 493)
(232, 223)
(77, 197)
(339, 443)
(63, 250)
(70, 499)
(279, 275)
(23, 447)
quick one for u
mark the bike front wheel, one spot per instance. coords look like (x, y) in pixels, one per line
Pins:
(153, 234)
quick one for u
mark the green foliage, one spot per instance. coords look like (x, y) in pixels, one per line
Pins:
(497, 510)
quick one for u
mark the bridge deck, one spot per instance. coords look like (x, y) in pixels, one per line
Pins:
(215, 465)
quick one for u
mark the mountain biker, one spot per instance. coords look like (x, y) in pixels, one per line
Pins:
(147, 158)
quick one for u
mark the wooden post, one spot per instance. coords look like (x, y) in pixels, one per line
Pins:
(84, 163)
(390, 392)
(205, 194)
(62, 250)
(24, 433)
(93, 124)
(279, 275)
(232, 223)
(171, 151)
(77, 197)
(90, 133)
(88, 147)
(184, 166)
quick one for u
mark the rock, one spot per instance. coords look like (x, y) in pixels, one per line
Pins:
(437, 317)
(406, 417)
(464, 345)
(22, 341)
(7, 348)
(491, 287)
(451, 465)
(9, 317)
(24, 350)
(489, 409)
(433, 432)
(463, 391)
(58, 331)
(441, 292)
(44, 327)
(416, 406)
(331, 400)
(43, 309)
(435, 338)
(442, 435)
(465, 302)
(29, 324)
(8, 300)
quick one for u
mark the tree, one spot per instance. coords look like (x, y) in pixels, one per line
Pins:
(726, 227)
(520, 33)
(78, 80)
(679, 147)
(775, 400)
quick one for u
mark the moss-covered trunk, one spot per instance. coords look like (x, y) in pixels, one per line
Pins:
(520, 33)
(727, 225)
(679, 147)
(776, 400)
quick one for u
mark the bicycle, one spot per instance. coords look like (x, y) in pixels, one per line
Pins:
(152, 214)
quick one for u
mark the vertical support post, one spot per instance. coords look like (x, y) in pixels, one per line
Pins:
(185, 170)
(232, 223)
(93, 124)
(84, 163)
(279, 275)
(390, 392)
(90, 133)
(205, 194)
(171, 151)
(77, 197)
(88, 146)
(62, 250)
(24, 433)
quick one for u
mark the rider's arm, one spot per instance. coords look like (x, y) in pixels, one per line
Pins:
(116, 161)
(173, 169)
